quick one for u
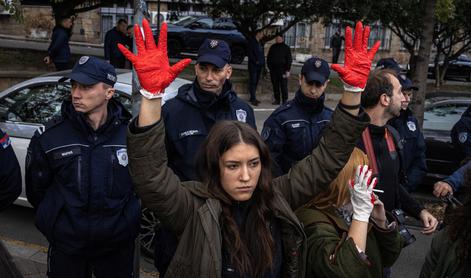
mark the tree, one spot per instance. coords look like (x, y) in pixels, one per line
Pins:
(252, 16)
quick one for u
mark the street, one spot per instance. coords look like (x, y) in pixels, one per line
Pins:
(17, 225)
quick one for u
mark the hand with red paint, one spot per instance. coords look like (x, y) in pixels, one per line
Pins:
(361, 193)
(356, 69)
(151, 63)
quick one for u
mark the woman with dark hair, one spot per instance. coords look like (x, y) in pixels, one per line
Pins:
(450, 252)
(349, 233)
(238, 221)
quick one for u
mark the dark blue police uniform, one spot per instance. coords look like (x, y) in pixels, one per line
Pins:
(10, 173)
(413, 143)
(461, 134)
(78, 181)
(295, 128)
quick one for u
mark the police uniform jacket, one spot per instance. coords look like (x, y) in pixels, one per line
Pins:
(413, 148)
(10, 173)
(188, 118)
(461, 133)
(294, 129)
(78, 181)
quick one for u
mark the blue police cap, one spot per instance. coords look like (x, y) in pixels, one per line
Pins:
(215, 52)
(389, 63)
(316, 69)
(90, 70)
(407, 84)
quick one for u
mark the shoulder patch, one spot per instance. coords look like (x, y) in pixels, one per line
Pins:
(241, 115)
(266, 133)
(463, 137)
(5, 141)
(411, 125)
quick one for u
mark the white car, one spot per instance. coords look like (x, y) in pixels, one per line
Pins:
(27, 106)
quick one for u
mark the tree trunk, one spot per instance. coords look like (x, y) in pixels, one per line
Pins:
(420, 74)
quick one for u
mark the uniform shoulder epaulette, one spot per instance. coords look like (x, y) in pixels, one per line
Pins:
(282, 108)
(49, 124)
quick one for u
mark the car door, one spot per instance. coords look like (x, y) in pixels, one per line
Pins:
(26, 110)
(198, 31)
(442, 157)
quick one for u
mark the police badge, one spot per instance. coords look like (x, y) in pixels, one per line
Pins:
(318, 63)
(463, 137)
(83, 60)
(241, 115)
(122, 155)
(411, 126)
(213, 43)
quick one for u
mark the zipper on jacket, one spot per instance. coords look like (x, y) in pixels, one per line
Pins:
(111, 179)
(79, 175)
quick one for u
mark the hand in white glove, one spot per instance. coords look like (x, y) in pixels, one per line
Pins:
(361, 193)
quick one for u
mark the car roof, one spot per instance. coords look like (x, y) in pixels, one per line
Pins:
(466, 101)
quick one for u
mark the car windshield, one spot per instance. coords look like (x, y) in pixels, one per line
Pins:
(185, 20)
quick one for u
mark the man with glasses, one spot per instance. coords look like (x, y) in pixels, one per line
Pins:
(294, 129)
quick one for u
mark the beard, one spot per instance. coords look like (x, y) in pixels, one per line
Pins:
(393, 110)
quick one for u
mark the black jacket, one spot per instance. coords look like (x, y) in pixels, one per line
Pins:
(78, 181)
(59, 49)
(189, 119)
(10, 173)
(112, 52)
(279, 58)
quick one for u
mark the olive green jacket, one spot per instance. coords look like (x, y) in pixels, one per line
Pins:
(331, 253)
(186, 207)
(441, 259)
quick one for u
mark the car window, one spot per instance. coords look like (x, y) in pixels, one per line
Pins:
(224, 24)
(443, 117)
(36, 104)
(206, 23)
(124, 99)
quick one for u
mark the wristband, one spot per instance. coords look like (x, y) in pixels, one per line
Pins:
(349, 107)
(150, 95)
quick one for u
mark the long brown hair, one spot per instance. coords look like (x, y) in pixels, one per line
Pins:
(251, 248)
(459, 226)
(337, 193)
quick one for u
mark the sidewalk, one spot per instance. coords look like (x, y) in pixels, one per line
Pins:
(31, 260)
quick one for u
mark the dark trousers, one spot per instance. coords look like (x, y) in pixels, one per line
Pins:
(280, 85)
(254, 75)
(117, 62)
(116, 264)
(166, 243)
(62, 66)
(335, 55)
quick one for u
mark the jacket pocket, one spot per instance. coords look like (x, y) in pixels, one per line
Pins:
(299, 139)
(47, 214)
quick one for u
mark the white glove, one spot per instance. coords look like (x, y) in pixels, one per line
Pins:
(361, 190)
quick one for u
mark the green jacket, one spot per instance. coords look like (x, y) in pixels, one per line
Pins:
(186, 208)
(441, 259)
(331, 253)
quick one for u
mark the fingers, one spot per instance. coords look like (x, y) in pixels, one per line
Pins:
(339, 69)
(366, 36)
(128, 54)
(180, 66)
(373, 50)
(150, 43)
(431, 226)
(348, 38)
(441, 189)
(163, 38)
(358, 39)
(141, 49)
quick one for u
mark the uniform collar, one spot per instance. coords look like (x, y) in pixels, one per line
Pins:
(310, 104)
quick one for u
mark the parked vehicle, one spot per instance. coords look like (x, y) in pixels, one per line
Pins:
(439, 118)
(459, 68)
(27, 106)
(187, 34)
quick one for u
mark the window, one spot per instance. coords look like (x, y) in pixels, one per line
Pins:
(34, 104)
(224, 24)
(205, 23)
(298, 35)
(443, 117)
(125, 100)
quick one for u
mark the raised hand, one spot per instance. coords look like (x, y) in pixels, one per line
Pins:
(361, 193)
(354, 73)
(151, 63)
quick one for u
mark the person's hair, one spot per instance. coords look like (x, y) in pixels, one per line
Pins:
(459, 226)
(129, 27)
(251, 248)
(337, 194)
(378, 83)
(122, 20)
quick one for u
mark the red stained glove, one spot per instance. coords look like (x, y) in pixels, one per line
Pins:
(354, 73)
(151, 63)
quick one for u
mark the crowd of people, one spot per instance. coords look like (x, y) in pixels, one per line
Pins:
(319, 193)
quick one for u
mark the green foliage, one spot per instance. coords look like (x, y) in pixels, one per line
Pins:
(13, 7)
(445, 10)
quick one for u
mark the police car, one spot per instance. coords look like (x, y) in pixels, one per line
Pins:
(27, 106)
(441, 114)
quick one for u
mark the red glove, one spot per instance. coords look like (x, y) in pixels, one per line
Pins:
(354, 73)
(151, 63)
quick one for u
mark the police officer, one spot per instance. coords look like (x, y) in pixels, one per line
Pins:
(77, 180)
(10, 173)
(294, 128)
(407, 125)
(188, 118)
(461, 134)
